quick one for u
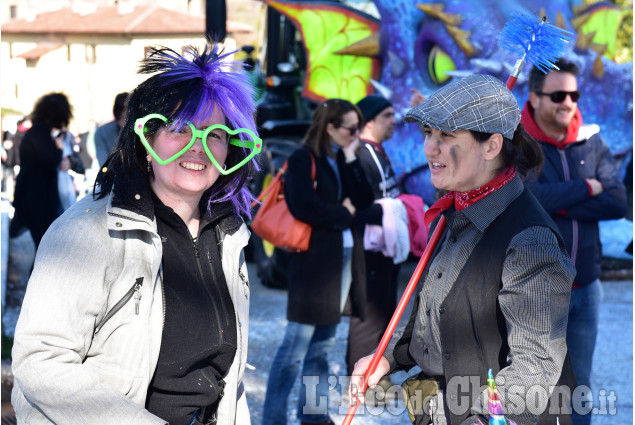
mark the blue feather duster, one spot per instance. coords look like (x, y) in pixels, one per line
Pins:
(536, 40)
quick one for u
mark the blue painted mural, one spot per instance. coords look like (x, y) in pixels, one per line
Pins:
(425, 45)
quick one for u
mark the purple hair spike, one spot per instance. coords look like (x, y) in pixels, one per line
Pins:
(212, 80)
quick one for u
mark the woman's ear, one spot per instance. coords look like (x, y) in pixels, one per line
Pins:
(330, 129)
(493, 146)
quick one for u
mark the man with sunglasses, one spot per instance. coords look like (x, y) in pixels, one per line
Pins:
(579, 185)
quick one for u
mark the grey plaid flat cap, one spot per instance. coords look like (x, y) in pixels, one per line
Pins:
(478, 102)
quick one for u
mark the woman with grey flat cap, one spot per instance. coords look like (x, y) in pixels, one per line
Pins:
(495, 292)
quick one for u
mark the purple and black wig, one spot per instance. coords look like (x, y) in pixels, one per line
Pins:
(186, 89)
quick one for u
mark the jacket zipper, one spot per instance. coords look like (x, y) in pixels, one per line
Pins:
(574, 222)
(162, 295)
(197, 254)
(134, 291)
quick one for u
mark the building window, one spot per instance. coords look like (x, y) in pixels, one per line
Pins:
(68, 52)
(188, 51)
(91, 53)
(13, 11)
(10, 50)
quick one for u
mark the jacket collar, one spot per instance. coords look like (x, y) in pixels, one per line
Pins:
(131, 191)
(131, 198)
(378, 147)
(486, 210)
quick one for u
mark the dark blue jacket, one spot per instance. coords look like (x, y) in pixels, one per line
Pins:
(563, 192)
(315, 276)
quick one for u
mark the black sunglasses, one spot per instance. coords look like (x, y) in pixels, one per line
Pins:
(559, 96)
(351, 130)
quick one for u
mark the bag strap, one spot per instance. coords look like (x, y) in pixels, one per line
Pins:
(379, 167)
(278, 176)
(271, 185)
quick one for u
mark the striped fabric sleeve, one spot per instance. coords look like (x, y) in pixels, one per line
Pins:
(537, 277)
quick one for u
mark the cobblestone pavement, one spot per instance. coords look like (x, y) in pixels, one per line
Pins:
(612, 368)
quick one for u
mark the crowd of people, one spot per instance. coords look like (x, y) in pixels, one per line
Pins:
(137, 308)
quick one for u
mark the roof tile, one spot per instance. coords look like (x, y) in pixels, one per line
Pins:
(107, 20)
(41, 49)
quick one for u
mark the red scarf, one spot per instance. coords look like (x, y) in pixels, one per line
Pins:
(528, 122)
(463, 200)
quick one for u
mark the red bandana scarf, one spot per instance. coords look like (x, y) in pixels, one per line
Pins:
(463, 200)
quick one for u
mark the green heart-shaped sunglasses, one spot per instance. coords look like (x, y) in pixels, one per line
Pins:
(252, 143)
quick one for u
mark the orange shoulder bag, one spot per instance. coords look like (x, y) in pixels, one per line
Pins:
(273, 221)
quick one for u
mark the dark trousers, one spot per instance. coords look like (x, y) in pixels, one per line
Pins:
(381, 301)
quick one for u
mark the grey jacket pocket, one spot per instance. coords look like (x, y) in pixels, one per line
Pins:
(133, 292)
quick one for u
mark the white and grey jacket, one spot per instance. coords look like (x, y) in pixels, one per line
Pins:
(89, 333)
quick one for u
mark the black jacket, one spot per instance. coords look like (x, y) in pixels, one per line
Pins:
(383, 185)
(379, 171)
(315, 275)
(36, 200)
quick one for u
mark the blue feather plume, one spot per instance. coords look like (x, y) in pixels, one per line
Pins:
(541, 43)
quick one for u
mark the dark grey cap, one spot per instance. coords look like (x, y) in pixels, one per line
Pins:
(478, 102)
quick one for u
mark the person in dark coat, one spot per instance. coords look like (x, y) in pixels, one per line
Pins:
(37, 201)
(322, 279)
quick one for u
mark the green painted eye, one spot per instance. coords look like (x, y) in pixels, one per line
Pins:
(439, 63)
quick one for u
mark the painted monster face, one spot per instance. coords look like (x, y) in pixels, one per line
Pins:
(425, 45)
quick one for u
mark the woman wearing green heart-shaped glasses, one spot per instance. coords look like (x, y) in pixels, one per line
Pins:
(138, 303)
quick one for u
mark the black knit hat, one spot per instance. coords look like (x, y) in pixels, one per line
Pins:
(372, 105)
